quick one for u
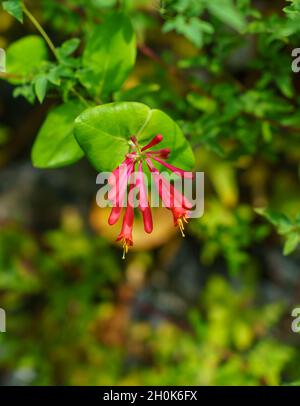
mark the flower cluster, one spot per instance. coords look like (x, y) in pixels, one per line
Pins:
(170, 196)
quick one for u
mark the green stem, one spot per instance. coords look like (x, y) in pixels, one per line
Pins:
(51, 46)
(40, 29)
(81, 98)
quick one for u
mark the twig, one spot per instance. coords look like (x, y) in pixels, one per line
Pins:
(51, 46)
(40, 29)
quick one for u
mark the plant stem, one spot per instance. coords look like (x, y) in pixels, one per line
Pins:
(10, 76)
(40, 29)
(51, 46)
(81, 98)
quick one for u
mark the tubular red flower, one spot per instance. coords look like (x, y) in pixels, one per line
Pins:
(118, 181)
(168, 193)
(177, 171)
(118, 190)
(114, 215)
(143, 200)
(162, 153)
(156, 140)
(180, 216)
(112, 180)
(172, 199)
(125, 234)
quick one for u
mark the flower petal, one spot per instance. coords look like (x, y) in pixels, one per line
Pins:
(177, 171)
(114, 215)
(170, 196)
(119, 184)
(143, 200)
(156, 140)
(162, 153)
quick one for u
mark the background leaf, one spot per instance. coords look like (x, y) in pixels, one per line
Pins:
(192, 28)
(109, 55)
(25, 56)
(14, 8)
(227, 12)
(279, 220)
(40, 86)
(291, 243)
(68, 47)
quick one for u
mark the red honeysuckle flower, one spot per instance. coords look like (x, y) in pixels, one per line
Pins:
(143, 200)
(156, 140)
(177, 171)
(119, 180)
(125, 234)
(162, 153)
(168, 193)
(170, 196)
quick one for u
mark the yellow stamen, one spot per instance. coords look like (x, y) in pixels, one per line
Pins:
(181, 226)
(125, 249)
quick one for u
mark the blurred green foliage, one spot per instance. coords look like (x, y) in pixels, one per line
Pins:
(65, 324)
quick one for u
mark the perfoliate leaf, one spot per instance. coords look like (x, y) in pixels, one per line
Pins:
(55, 145)
(103, 129)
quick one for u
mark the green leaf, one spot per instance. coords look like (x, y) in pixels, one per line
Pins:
(103, 133)
(266, 131)
(279, 220)
(297, 220)
(55, 145)
(40, 87)
(137, 92)
(25, 91)
(54, 75)
(68, 47)
(14, 8)
(202, 103)
(192, 28)
(291, 243)
(24, 57)
(227, 12)
(294, 383)
(285, 84)
(109, 55)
